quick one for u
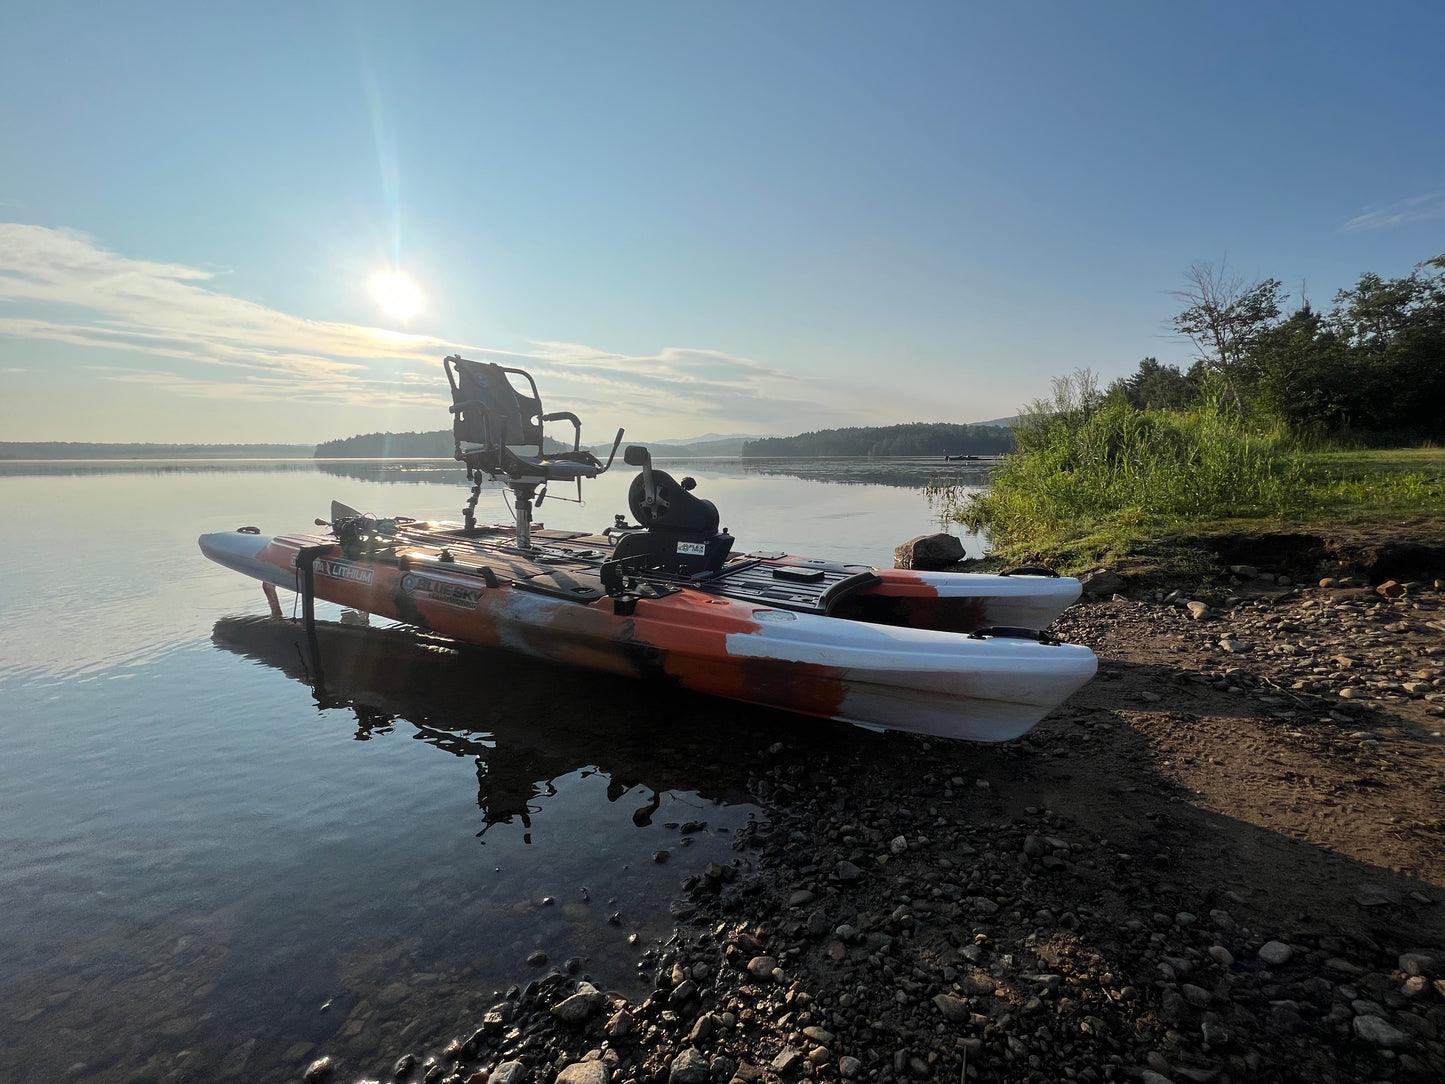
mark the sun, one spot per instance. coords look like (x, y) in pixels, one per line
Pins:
(396, 294)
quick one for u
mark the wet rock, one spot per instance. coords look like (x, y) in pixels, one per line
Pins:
(318, 1071)
(537, 958)
(404, 1066)
(1374, 1030)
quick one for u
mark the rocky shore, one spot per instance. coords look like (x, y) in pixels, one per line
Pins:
(1222, 861)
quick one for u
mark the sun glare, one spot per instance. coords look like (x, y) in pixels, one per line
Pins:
(396, 294)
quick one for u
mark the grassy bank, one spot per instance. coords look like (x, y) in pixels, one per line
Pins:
(1110, 484)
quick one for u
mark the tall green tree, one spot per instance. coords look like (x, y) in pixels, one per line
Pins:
(1154, 386)
(1224, 317)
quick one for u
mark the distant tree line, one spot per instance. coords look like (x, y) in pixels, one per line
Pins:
(917, 438)
(1371, 368)
(436, 444)
(53, 449)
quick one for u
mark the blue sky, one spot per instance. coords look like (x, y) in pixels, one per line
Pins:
(683, 218)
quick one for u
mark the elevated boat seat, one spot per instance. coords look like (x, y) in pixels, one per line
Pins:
(497, 428)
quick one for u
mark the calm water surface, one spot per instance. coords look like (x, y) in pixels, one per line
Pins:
(207, 874)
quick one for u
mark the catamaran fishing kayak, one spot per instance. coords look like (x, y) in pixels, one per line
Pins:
(666, 599)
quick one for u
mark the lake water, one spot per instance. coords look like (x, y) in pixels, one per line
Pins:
(207, 874)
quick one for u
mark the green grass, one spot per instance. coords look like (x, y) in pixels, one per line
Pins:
(1112, 485)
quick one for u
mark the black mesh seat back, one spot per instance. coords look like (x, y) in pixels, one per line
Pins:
(502, 416)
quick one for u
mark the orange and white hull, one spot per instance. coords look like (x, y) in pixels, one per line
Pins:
(942, 681)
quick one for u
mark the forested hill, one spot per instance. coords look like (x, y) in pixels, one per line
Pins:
(437, 444)
(918, 438)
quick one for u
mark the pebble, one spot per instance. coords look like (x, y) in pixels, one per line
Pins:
(760, 967)
(1276, 953)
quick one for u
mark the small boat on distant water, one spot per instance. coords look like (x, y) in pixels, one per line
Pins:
(665, 599)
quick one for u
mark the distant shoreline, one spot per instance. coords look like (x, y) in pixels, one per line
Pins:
(72, 450)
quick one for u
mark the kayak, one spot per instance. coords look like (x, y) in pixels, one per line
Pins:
(666, 599)
(934, 653)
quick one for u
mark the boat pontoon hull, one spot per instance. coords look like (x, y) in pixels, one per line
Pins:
(888, 648)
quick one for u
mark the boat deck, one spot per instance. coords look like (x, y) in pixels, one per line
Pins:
(568, 564)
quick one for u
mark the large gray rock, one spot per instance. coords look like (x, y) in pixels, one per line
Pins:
(585, 1072)
(1102, 583)
(1374, 1030)
(928, 552)
(509, 1072)
(577, 1008)
(1276, 953)
(689, 1067)
(954, 1009)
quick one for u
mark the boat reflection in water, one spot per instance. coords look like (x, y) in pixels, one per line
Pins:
(528, 723)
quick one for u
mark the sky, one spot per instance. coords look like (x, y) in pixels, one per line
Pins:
(682, 218)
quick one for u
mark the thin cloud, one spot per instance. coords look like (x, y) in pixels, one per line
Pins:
(167, 310)
(62, 286)
(1414, 209)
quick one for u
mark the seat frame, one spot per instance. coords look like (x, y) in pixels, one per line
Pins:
(510, 420)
